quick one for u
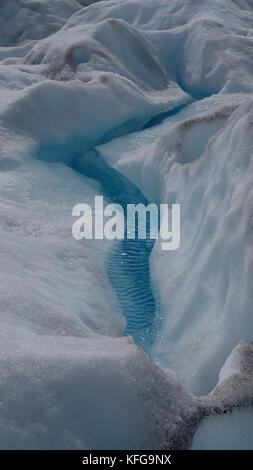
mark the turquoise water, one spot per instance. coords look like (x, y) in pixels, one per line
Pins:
(128, 264)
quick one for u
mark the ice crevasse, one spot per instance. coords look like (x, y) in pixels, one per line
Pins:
(155, 96)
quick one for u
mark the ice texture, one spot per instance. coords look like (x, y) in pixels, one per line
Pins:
(100, 393)
(232, 431)
(161, 92)
(205, 285)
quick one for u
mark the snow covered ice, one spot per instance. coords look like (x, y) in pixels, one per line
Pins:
(137, 100)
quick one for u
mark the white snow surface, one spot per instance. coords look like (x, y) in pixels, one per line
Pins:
(74, 75)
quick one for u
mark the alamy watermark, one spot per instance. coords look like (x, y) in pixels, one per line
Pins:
(114, 222)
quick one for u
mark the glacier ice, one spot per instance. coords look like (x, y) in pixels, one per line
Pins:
(160, 93)
(21, 20)
(231, 431)
(209, 172)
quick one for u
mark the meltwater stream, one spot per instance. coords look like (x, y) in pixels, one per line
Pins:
(128, 265)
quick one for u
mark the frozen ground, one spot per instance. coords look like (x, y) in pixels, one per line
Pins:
(135, 100)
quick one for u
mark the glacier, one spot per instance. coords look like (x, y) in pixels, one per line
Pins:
(109, 345)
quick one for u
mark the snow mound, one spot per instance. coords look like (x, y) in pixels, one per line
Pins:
(80, 389)
(187, 39)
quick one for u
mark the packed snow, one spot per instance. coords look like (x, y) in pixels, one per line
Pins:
(161, 93)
